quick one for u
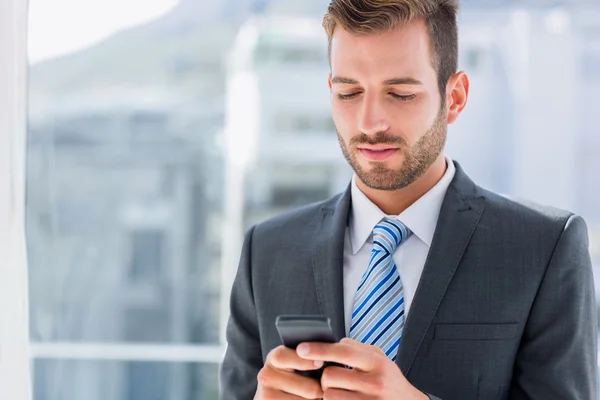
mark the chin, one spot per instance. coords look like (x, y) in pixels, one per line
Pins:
(382, 167)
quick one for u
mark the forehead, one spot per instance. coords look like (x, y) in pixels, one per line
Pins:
(401, 51)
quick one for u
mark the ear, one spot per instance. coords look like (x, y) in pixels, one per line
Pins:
(329, 81)
(457, 93)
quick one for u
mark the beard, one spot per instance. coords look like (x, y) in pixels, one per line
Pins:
(417, 159)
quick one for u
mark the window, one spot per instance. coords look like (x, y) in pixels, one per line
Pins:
(591, 66)
(123, 187)
(148, 126)
(147, 256)
(288, 42)
(287, 197)
(474, 59)
(303, 124)
(145, 120)
(281, 55)
(101, 380)
(147, 381)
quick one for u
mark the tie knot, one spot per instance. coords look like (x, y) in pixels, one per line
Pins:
(389, 234)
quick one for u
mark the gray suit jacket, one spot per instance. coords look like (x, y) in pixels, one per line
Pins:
(505, 308)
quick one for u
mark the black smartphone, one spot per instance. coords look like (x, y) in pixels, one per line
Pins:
(296, 329)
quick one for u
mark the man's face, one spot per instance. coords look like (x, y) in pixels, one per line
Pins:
(384, 95)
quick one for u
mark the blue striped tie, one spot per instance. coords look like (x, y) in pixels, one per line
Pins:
(378, 315)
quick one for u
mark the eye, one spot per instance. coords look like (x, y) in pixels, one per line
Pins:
(403, 97)
(347, 96)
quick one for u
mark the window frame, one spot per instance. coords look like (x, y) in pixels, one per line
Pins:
(15, 375)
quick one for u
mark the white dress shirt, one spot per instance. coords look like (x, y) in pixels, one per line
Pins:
(421, 218)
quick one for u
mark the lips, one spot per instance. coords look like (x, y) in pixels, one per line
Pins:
(377, 154)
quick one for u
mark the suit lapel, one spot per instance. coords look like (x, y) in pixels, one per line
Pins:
(461, 210)
(327, 259)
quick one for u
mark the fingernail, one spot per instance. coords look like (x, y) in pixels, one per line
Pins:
(303, 349)
(318, 364)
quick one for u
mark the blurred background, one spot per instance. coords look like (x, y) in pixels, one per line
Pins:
(159, 128)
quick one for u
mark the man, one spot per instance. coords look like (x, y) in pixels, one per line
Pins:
(439, 289)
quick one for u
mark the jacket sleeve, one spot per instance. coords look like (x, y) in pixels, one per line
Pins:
(557, 358)
(243, 356)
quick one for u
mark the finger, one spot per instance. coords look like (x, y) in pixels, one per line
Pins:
(340, 394)
(365, 359)
(289, 382)
(274, 394)
(342, 378)
(360, 345)
(287, 359)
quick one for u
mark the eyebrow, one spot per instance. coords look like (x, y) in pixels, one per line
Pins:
(344, 81)
(389, 82)
(402, 81)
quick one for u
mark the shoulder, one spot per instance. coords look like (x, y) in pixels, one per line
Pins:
(510, 215)
(522, 217)
(525, 210)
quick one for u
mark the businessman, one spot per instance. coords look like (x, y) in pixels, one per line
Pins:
(436, 288)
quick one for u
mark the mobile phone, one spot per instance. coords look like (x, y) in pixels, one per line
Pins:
(296, 329)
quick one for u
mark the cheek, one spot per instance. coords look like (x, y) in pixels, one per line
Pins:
(410, 120)
(345, 120)
(414, 120)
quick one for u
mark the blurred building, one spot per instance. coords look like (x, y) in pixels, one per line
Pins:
(118, 248)
(124, 202)
(292, 157)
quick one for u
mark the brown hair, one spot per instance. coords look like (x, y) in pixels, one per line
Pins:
(372, 16)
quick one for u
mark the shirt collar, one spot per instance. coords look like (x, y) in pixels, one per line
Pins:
(421, 217)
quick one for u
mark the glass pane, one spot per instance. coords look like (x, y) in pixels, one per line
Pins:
(104, 380)
(124, 171)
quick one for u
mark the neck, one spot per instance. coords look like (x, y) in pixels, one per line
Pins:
(394, 202)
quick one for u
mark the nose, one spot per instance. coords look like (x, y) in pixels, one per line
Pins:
(372, 117)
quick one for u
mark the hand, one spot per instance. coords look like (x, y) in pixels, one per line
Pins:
(278, 381)
(373, 374)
